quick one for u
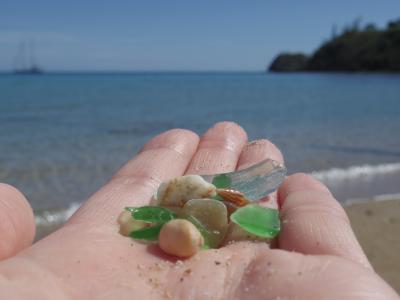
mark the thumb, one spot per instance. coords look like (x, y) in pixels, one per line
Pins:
(314, 222)
(17, 223)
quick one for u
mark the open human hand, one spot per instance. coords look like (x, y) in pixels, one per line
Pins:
(316, 255)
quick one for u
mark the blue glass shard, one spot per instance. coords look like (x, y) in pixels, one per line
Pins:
(257, 181)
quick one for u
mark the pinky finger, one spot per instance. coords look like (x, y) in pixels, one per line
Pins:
(314, 222)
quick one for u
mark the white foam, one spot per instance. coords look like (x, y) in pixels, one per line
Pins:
(377, 198)
(363, 172)
(56, 216)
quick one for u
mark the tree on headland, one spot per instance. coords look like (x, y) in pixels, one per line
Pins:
(355, 49)
(394, 25)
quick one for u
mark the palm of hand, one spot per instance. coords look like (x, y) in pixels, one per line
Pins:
(87, 259)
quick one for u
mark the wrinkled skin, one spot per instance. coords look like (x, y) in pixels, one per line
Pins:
(316, 257)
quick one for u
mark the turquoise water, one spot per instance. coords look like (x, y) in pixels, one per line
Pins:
(63, 136)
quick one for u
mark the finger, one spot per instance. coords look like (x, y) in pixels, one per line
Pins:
(165, 156)
(219, 149)
(256, 152)
(314, 222)
(17, 223)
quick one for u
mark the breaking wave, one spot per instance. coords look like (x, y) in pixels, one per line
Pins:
(355, 183)
(58, 215)
(51, 219)
(361, 182)
(364, 172)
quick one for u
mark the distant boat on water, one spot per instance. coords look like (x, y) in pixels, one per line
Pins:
(25, 62)
(33, 70)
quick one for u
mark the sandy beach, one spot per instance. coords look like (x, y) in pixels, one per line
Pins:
(377, 226)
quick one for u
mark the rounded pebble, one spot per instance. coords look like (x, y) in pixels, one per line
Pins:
(181, 238)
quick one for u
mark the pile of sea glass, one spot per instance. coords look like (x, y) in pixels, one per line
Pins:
(223, 207)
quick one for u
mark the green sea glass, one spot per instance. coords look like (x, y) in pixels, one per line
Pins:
(222, 181)
(260, 221)
(207, 235)
(212, 215)
(152, 214)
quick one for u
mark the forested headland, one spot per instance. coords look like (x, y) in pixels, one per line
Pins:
(355, 49)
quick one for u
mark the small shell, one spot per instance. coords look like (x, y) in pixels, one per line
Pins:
(231, 208)
(233, 196)
(178, 191)
(128, 224)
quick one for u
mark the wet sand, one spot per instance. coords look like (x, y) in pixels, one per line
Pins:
(377, 226)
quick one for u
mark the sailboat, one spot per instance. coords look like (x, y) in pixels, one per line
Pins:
(25, 61)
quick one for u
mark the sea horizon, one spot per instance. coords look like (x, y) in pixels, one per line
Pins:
(195, 71)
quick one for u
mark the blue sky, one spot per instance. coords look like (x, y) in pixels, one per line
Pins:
(175, 35)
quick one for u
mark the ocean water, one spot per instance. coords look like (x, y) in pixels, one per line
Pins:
(63, 135)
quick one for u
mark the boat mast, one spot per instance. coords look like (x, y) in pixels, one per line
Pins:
(25, 62)
(32, 63)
